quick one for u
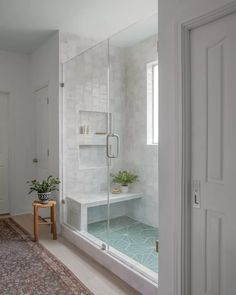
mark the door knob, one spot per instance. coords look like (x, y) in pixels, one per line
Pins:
(35, 160)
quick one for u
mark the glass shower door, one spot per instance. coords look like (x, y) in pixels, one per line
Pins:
(133, 170)
(110, 153)
(86, 123)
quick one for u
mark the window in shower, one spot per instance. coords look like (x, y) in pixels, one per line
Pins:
(152, 103)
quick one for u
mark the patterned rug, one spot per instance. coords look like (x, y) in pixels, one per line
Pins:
(27, 268)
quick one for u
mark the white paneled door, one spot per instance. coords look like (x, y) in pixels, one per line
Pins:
(213, 104)
(4, 202)
(42, 133)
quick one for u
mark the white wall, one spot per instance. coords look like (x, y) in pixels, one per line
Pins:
(171, 12)
(14, 79)
(20, 76)
(140, 157)
(44, 69)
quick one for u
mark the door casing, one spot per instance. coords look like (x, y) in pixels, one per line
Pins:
(38, 168)
(7, 167)
(183, 170)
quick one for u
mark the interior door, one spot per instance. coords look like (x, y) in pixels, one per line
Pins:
(4, 203)
(213, 103)
(42, 134)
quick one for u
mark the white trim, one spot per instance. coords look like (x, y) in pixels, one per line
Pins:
(7, 94)
(182, 275)
(61, 197)
(150, 99)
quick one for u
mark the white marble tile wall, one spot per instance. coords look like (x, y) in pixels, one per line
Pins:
(71, 45)
(85, 92)
(85, 89)
(140, 157)
(86, 104)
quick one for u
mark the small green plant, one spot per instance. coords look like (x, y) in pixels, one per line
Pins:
(124, 177)
(46, 186)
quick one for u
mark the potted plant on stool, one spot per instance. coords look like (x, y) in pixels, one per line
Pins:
(124, 178)
(44, 188)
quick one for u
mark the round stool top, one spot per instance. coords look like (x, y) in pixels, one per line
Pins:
(43, 205)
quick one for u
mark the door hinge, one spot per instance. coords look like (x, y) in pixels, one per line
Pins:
(47, 100)
(63, 201)
(48, 152)
(157, 246)
(103, 247)
(62, 84)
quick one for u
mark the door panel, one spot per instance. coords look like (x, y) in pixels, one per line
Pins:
(4, 204)
(213, 103)
(42, 134)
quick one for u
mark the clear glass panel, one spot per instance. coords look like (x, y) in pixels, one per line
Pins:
(133, 224)
(86, 123)
(110, 125)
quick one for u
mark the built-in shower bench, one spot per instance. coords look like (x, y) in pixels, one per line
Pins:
(85, 201)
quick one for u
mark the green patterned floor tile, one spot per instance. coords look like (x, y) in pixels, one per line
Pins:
(130, 237)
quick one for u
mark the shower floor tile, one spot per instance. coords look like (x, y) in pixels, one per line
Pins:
(130, 237)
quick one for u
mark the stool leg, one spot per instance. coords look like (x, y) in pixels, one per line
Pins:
(36, 226)
(54, 223)
(51, 214)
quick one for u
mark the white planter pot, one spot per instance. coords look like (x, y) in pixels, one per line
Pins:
(124, 188)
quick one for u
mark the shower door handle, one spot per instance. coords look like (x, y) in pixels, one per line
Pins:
(109, 154)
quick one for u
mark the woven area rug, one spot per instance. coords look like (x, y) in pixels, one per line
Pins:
(27, 268)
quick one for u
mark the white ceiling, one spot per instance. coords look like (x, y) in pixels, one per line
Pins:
(137, 32)
(25, 24)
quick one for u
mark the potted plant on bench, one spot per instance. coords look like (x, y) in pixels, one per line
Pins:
(44, 188)
(124, 178)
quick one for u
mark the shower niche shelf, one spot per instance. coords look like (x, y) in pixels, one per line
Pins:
(93, 127)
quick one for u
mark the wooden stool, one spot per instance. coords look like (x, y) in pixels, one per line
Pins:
(52, 206)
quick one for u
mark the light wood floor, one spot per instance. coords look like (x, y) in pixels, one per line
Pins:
(99, 280)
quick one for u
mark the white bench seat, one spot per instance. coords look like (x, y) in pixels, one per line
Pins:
(84, 201)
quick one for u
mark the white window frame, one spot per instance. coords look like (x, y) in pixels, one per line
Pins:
(150, 104)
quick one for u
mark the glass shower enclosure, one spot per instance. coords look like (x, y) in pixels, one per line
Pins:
(110, 117)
